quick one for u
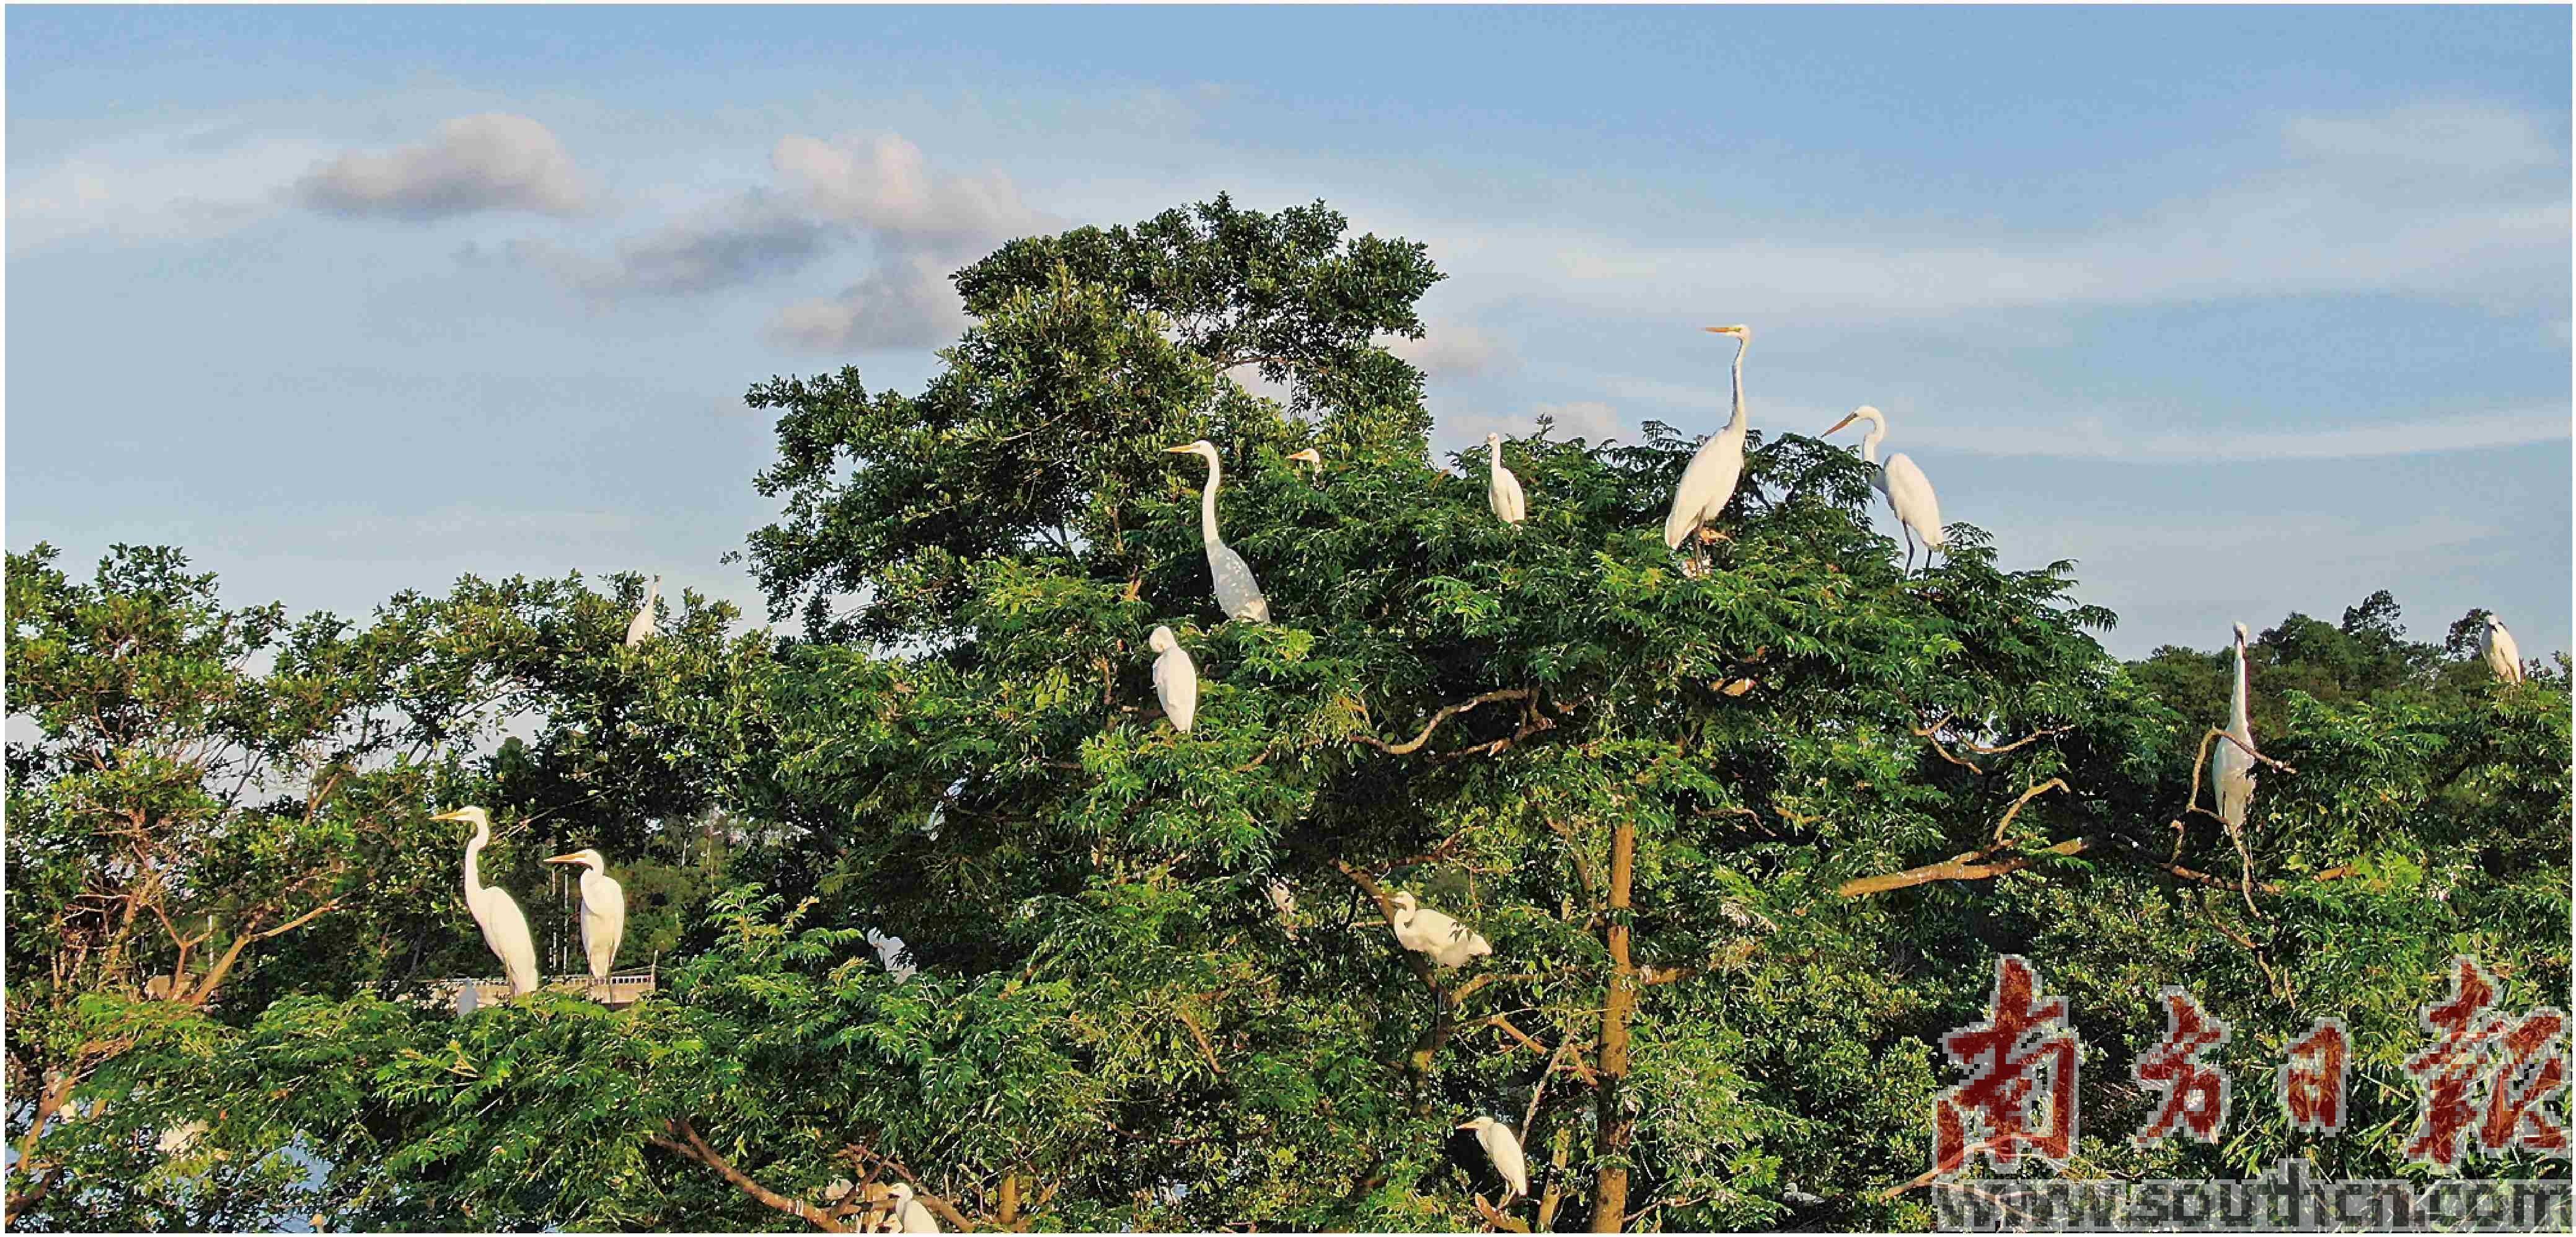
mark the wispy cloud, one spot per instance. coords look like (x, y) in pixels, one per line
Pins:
(491, 162)
(173, 185)
(2127, 438)
(740, 242)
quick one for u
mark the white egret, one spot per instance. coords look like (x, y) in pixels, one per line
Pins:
(1176, 679)
(909, 1215)
(1908, 491)
(1710, 479)
(505, 930)
(640, 628)
(890, 954)
(1286, 902)
(2233, 765)
(1236, 593)
(1445, 940)
(1313, 460)
(1502, 489)
(1505, 1151)
(2497, 646)
(603, 910)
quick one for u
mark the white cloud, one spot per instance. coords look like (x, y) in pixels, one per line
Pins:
(739, 242)
(494, 161)
(907, 302)
(177, 185)
(2109, 438)
(886, 184)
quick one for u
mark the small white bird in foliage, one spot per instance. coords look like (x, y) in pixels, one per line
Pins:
(603, 911)
(1908, 491)
(1176, 679)
(1446, 941)
(1710, 480)
(1285, 901)
(1502, 489)
(891, 952)
(1236, 592)
(2497, 646)
(909, 1215)
(505, 928)
(1505, 1151)
(1312, 459)
(2233, 765)
(640, 628)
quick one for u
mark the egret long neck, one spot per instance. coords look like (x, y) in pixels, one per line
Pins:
(1869, 445)
(1497, 448)
(474, 857)
(2238, 723)
(1207, 504)
(1735, 422)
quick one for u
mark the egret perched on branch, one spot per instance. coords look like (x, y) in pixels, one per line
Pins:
(1236, 593)
(504, 928)
(909, 1215)
(2497, 646)
(640, 628)
(1710, 479)
(1176, 679)
(1503, 490)
(1314, 461)
(1505, 1151)
(1908, 492)
(2233, 766)
(1446, 941)
(603, 910)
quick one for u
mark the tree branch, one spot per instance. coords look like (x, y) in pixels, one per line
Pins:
(1407, 749)
(689, 1146)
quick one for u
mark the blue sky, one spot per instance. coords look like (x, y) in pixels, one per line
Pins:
(2248, 310)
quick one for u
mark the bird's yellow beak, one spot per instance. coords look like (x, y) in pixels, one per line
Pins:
(1723, 330)
(458, 814)
(1179, 450)
(1469, 1126)
(573, 858)
(1839, 424)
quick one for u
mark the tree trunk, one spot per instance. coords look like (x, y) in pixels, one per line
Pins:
(1610, 1206)
(1009, 1213)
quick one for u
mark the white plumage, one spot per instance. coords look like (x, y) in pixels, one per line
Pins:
(603, 910)
(1710, 479)
(505, 929)
(640, 628)
(1908, 491)
(2497, 646)
(909, 1215)
(2233, 766)
(1236, 592)
(1313, 460)
(1176, 679)
(1285, 901)
(1505, 1151)
(1502, 489)
(1445, 940)
(890, 954)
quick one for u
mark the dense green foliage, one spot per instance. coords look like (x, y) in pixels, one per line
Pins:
(1653, 791)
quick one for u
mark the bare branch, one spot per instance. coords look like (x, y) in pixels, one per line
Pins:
(688, 1145)
(1407, 749)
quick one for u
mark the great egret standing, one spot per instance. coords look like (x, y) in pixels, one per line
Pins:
(1176, 679)
(640, 628)
(603, 910)
(909, 1215)
(1505, 1151)
(1503, 490)
(1236, 593)
(1710, 479)
(2233, 765)
(1445, 940)
(1908, 491)
(2497, 646)
(505, 930)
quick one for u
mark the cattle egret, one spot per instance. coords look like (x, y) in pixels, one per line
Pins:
(1313, 461)
(505, 930)
(1236, 593)
(1176, 679)
(603, 910)
(2234, 764)
(1505, 1151)
(1710, 479)
(2497, 645)
(909, 1215)
(891, 952)
(640, 628)
(1286, 903)
(1503, 490)
(1446, 941)
(1907, 491)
